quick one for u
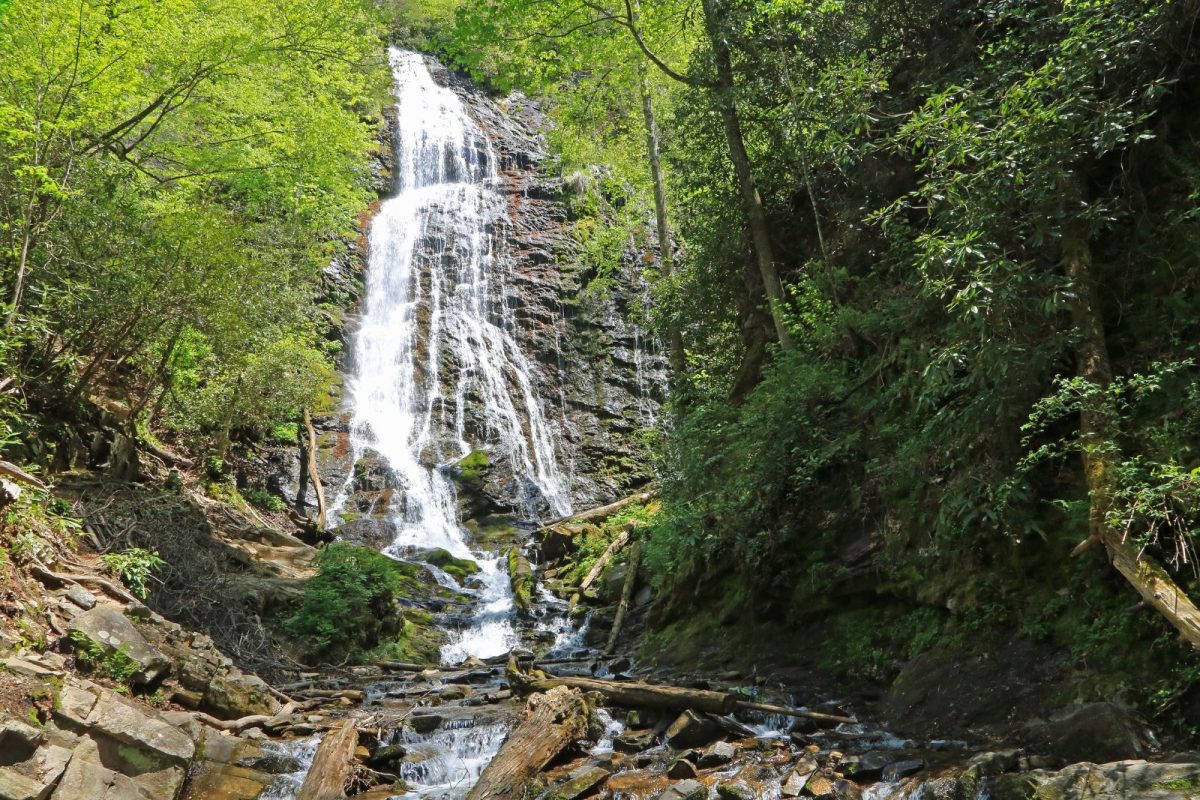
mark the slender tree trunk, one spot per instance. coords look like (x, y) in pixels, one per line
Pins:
(313, 472)
(676, 357)
(22, 267)
(1098, 434)
(756, 215)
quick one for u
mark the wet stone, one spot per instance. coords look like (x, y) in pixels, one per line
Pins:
(684, 790)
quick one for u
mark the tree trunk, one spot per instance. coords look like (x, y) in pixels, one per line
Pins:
(553, 721)
(631, 565)
(756, 216)
(313, 473)
(676, 356)
(605, 511)
(1098, 435)
(332, 765)
(631, 694)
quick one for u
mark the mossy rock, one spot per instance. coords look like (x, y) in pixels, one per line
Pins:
(458, 568)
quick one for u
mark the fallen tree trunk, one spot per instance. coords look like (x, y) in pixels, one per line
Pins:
(332, 766)
(604, 512)
(13, 471)
(632, 694)
(635, 557)
(787, 711)
(614, 547)
(553, 721)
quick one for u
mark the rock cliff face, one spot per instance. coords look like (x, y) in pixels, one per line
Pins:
(600, 377)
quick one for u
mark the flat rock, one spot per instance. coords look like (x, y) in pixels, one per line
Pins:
(635, 741)
(425, 723)
(1119, 780)
(579, 782)
(26, 668)
(141, 727)
(682, 768)
(684, 790)
(110, 628)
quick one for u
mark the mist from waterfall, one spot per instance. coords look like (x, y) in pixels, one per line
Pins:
(437, 370)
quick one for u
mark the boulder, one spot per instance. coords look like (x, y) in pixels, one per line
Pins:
(232, 694)
(635, 741)
(81, 597)
(1120, 780)
(684, 790)
(141, 727)
(35, 776)
(385, 755)
(1098, 732)
(692, 729)
(18, 741)
(682, 768)
(108, 627)
(425, 723)
(718, 754)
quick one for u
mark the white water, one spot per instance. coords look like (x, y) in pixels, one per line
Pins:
(435, 348)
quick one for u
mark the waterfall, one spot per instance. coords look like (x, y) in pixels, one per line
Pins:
(438, 372)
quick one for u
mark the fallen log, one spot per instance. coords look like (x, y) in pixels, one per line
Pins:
(44, 573)
(614, 547)
(631, 694)
(634, 694)
(606, 511)
(553, 721)
(332, 765)
(635, 557)
(13, 471)
(403, 666)
(787, 711)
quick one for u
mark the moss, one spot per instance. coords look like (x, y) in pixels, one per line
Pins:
(520, 575)
(1191, 784)
(458, 568)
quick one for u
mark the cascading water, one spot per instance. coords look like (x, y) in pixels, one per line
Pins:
(438, 371)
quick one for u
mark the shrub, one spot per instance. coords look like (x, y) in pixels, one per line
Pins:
(133, 567)
(265, 500)
(348, 606)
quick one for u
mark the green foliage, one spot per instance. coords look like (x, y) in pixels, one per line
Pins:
(349, 606)
(265, 500)
(134, 567)
(116, 665)
(165, 213)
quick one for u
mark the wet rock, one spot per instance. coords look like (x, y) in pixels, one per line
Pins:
(578, 783)
(794, 783)
(691, 729)
(987, 765)
(425, 723)
(1098, 732)
(386, 755)
(718, 754)
(681, 768)
(819, 785)
(736, 790)
(635, 741)
(1120, 780)
(109, 628)
(684, 790)
(901, 769)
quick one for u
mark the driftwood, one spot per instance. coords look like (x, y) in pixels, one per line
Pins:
(614, 547)
(553, 721)
(332, 765)
(403, 666)
(604, 512)
(635, 557)
(313, 473)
